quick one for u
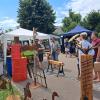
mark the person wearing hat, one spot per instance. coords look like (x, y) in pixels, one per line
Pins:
(85, 46)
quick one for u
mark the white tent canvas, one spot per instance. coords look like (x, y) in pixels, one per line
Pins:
(24, 34)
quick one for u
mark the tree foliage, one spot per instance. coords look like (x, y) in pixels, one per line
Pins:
(92, 21)
(71, 21)
(38, 14)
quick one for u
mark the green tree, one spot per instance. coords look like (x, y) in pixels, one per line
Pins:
(71, 21)
(92, 21)
(38, 14)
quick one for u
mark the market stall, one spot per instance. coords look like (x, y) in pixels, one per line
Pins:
(23, 35)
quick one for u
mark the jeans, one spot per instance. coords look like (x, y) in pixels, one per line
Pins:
(54, 55)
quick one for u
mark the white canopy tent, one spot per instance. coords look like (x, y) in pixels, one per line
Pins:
(23, 34)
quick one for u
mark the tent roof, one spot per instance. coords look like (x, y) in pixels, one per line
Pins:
(24, 33)
(77, 29)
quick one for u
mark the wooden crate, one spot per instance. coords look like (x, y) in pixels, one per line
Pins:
(86, 77)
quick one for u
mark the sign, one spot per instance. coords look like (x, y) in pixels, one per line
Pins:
(86, 77)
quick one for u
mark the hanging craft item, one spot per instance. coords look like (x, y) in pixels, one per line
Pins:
(86, 77)
(38, 73)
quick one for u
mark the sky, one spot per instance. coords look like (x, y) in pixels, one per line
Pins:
(8, 9)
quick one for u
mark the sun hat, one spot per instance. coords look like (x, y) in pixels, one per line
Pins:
(84, 33)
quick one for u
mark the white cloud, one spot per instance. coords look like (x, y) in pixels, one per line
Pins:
(7, 22)
(60, 13)
(83, 6)
(79, 6)
(58, 24)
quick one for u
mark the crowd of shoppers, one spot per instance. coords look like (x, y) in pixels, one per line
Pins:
(87, 47)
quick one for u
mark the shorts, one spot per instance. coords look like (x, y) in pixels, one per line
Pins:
(40, 56)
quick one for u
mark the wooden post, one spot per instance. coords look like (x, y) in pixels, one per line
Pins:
(34, 37)
(86, 77)
(34, 34)
(36, 67)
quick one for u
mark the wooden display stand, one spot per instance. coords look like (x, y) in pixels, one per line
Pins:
(39, 76)
(86, 77)
(38, 73)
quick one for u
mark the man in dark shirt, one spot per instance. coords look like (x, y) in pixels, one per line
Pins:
(40, 50)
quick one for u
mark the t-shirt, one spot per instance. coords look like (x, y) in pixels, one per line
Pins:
(54, 46)
(86, 44)
(40, 46)
(94, 43)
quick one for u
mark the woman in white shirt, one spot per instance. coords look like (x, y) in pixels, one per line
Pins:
(84, 47)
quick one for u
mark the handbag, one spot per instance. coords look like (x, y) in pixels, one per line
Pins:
(97, 66)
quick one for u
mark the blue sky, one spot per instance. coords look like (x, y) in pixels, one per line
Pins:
(8, 9)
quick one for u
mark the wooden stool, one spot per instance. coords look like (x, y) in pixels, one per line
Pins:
(50, 65)
(58, 64)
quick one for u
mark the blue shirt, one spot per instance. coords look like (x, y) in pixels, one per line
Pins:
(85, 44)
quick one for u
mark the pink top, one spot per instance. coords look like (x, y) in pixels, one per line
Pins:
(94, 43)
